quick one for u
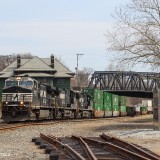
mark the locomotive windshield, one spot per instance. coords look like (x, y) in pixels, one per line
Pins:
(26, 83)
(11, 83)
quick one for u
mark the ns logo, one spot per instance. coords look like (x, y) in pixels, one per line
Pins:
(15, 97)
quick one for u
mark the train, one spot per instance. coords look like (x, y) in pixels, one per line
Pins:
(24, 98)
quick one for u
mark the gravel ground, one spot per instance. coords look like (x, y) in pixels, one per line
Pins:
(17, 145)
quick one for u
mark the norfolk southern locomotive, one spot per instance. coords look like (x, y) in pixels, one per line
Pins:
(23, 98)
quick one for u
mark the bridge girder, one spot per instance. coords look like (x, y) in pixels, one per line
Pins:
(134, 84)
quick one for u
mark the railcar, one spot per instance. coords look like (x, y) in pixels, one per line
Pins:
(107, 102)
(147, 106)
(23, 98)
(86, 105)
(115, 105)
(130, 111)
(122, 106)
(97, 105)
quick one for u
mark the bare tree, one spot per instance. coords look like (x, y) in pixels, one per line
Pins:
(61, 60)
(5, 61)
(8, 59)
(117, 67)
(83, 76)
(136, 35)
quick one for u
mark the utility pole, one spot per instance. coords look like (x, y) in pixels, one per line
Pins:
(78, 56)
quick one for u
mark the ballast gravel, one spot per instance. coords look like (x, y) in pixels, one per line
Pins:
(17, 145)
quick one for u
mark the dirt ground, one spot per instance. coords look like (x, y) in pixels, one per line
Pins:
(17, 145)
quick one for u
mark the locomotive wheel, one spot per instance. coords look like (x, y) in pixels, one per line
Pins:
(29, 111)
(75, 115)
(62, 115)
(54, 115)
(81, 114)
(37, 114)
(13, 113)
(91, 115)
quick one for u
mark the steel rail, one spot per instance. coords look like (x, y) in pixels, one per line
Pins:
(85, 146)
(25, 125)
(13, 127)
(65, 147)
(114, 148)
(128, 146)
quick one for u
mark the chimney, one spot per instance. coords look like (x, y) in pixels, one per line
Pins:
(18, 61)
(52, 60)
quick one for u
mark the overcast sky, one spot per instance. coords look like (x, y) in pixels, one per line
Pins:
(60, 27)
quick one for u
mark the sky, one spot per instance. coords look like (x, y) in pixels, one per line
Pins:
(60, 27)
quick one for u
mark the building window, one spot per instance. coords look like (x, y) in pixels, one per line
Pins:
(61, 81)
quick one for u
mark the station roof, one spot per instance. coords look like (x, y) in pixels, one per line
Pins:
(37, 67)
(35, 64)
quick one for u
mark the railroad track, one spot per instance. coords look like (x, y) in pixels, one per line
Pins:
(16, 125)
(95, 148)
(5, 127)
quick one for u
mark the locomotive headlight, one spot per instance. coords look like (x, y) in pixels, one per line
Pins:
(6, 102)
(18, 78)
(21, 102)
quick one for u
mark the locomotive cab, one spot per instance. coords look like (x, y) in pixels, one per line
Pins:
(17, 96)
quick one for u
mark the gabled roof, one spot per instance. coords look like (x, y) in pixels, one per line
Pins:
(37, 67)
(35, 64)
(6, 74)
(13, 65)
(62, 74)
(57, 66)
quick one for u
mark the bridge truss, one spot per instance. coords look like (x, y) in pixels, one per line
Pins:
(134, 84)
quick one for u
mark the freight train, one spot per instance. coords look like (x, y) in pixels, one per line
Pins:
(24, 98)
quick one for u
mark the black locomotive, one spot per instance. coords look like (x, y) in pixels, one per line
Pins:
(23, 98)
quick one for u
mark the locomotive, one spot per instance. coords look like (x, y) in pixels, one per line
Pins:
(24, 98)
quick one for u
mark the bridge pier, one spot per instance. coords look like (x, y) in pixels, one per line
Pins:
(156, 109)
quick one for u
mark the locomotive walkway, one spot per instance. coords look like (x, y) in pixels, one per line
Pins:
(95, 148)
